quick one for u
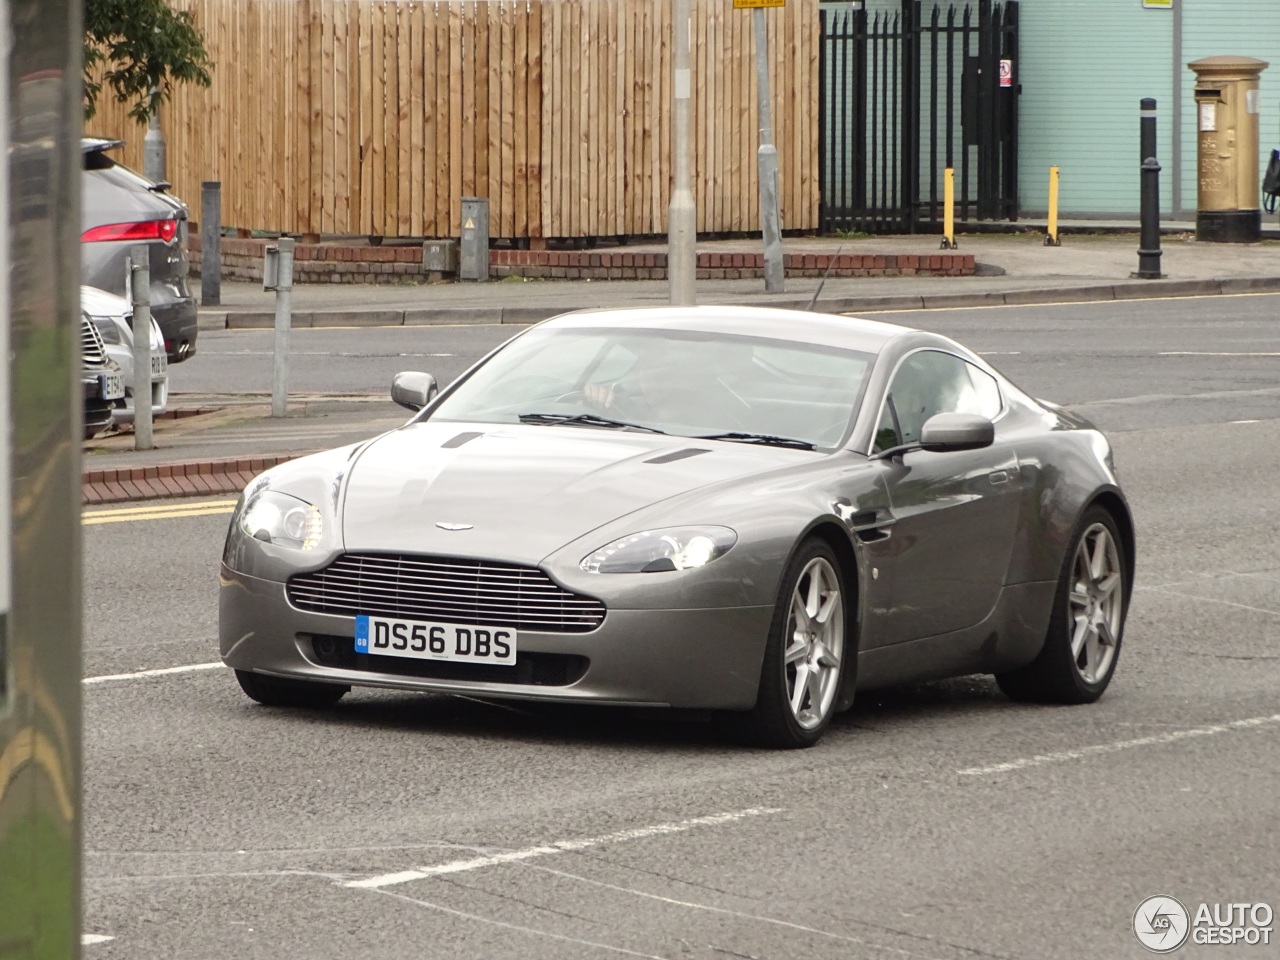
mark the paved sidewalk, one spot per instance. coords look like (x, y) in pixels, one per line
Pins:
(1013, 269)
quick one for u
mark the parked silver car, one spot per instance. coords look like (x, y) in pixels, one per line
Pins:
(120, 209)
(748, 510)
(112, 316)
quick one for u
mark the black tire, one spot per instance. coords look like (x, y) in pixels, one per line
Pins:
(278, 692)
(1056, 675)
(772, 722)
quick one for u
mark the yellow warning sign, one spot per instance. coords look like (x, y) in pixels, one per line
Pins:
(469, 225)
(750, 4)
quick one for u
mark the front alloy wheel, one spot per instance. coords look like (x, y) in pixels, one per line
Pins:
(804, 658)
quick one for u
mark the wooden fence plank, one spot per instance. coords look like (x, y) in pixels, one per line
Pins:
(410, 98)
(534, 112)
(508, 184)
(520, 116)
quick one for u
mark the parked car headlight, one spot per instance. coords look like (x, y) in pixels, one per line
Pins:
(658, 551)
(283, 520)
(107, 329)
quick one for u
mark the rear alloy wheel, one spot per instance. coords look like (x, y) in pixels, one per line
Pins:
(278, 692)
(804, 657)
(1083, 643)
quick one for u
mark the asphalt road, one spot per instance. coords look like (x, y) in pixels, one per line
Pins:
(937, 822)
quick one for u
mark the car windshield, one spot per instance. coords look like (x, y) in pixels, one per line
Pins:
(694, 384)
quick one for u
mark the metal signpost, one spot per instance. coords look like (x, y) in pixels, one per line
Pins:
(154, 153)
(211, 243)
(767, 155)
(682, 255)
(140, 285)
(277, 275)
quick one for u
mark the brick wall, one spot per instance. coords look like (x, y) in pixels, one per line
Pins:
(338, 263)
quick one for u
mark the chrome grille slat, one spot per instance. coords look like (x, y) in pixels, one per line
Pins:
(92, 350)
(442, 588)
(492, 603)
(434, 581)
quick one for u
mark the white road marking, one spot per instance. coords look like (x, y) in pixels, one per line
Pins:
(879, 948)
(141, 674)
(559, 846)
(1246, 421)
(1174, 736)
(516, 926)
(89, 939)
(1213, 353)
(1225, 603)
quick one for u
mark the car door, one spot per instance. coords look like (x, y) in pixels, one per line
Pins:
(952, 515)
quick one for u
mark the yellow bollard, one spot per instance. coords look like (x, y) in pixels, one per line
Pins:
(949, 209)
(1051, 239)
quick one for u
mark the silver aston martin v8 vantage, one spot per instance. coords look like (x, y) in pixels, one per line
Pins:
(745, 510)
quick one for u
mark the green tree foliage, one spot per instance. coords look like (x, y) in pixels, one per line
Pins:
(139, 49)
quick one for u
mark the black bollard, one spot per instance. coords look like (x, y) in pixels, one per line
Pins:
(1149, 249)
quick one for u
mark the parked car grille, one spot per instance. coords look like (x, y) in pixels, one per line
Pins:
(92, 350)
(530, 669)
(472, 592)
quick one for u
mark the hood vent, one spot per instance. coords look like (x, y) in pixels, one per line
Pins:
(460, 439)
(675, 455)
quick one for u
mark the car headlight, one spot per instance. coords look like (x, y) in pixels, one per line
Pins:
(658, 551)
(107, 329)
(283, 520)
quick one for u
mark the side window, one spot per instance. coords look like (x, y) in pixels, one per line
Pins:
(985, 399)
(930, 382)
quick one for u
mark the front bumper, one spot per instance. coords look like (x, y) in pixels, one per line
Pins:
(688, 658)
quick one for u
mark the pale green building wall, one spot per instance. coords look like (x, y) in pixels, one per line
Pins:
(1083, 66)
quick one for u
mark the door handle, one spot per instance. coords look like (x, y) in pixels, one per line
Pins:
(999, 476)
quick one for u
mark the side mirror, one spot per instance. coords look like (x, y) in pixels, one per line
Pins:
(413, 390)
(945, 432)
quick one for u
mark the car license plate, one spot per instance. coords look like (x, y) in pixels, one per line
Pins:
(111, 386)
(159, 364)
(421, 640)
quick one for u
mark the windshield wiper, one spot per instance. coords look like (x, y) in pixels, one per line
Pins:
(586, 419)
(760, 438)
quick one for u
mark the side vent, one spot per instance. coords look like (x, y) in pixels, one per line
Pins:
(675, 455)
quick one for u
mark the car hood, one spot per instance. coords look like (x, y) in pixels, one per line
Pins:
(524, 491)
(100, 303)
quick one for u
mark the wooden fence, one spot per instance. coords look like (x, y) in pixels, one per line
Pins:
(376, 116)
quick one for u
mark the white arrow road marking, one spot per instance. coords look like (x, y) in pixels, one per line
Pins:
(559, 846)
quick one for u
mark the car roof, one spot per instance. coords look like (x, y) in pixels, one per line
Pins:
(824, 329)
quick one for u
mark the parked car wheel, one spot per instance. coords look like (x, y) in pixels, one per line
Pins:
(1083, 642)
(805, 655)
(278, 692)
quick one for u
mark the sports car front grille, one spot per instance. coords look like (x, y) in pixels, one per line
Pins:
(445, 589)
(530, 669)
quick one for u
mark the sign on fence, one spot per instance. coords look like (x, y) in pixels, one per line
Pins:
(752, 4)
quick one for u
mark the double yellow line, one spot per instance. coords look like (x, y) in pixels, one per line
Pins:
(157, 511)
